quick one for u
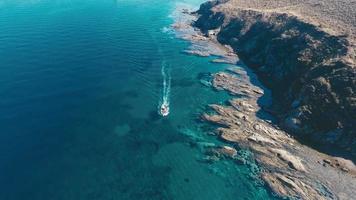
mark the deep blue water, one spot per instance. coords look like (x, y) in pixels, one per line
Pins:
(80, 83)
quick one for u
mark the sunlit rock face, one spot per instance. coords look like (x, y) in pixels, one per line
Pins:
(311, 72)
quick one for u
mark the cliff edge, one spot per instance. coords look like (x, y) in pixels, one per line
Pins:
(304, 51)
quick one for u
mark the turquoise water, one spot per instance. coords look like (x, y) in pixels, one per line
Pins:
(80, 87)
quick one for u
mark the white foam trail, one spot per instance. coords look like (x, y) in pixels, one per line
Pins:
(166, 84)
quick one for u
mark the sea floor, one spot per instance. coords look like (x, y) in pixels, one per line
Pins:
(81, 84)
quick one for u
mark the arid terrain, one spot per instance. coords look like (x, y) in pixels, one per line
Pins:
(309, 68)
(304, 52)
(338, 17)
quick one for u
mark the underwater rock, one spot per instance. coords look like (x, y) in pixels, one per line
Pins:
(270, 43)
(228, 151)
(221, 152)
(309, 68)
(274, 150)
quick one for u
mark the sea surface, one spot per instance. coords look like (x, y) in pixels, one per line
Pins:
(81, 83)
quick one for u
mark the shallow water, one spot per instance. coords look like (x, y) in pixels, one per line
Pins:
(80, 85)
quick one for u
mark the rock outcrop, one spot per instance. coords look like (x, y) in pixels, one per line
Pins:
(287, 167)
(309, 68)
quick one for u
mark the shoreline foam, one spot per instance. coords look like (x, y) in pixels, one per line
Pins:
(288, 168)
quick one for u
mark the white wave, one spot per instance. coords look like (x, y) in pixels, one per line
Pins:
(166, 30)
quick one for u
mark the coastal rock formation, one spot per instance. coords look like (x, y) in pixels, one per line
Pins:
(288, 168)
(306, 59)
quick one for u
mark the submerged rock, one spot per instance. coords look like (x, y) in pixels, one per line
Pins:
(309, 68)
(272, 43)
(221, 152)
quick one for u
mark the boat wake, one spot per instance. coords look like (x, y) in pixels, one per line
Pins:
(164, 102)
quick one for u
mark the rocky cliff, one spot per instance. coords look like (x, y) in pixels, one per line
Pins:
(311, 71)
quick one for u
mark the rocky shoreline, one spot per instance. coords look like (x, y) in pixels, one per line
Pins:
(288, 168)
(311, 71)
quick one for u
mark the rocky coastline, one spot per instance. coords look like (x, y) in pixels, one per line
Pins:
(312, 73)
(289, 168)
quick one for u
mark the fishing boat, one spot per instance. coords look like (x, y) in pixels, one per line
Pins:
(164, 111)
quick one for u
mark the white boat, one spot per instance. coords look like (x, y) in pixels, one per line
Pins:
(164, 111)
